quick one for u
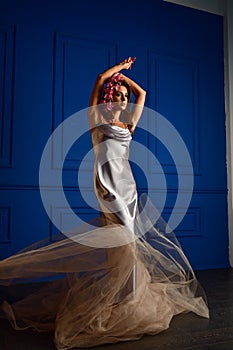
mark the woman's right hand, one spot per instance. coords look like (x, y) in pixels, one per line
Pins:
(127, 63)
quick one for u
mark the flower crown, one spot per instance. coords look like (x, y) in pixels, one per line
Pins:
(113, 84)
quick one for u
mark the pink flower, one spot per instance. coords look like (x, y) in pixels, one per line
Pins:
(112, 85)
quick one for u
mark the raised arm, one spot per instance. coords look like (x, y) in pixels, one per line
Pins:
(102, 77)
(140, 96)
(93, 112)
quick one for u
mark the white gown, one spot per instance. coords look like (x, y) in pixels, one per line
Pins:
(130, 281)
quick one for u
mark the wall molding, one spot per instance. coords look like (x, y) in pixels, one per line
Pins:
(190, 66)
(5, 218)
(61, 214)
(190, 226)
(7, 49)
(90, 189)
(63, 45)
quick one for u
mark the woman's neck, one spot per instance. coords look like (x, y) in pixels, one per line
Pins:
(116, 116)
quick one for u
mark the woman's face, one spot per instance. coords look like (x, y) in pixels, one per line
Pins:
(121, 97)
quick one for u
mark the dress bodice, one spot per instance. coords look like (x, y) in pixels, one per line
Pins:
(114, 183)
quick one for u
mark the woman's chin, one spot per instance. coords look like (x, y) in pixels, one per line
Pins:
(123, 106)
(120, 107)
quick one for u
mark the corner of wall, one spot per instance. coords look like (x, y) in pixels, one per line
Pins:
(228, 29)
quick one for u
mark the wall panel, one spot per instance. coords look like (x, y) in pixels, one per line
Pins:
(7, 47)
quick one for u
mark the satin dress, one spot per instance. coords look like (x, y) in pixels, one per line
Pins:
(114, 183)
(130, 281)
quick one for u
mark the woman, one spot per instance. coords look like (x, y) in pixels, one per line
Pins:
(111, 124)
(125, 283)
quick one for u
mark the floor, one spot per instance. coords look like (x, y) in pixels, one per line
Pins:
(187, 331)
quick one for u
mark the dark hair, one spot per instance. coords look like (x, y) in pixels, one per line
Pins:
(125, 115)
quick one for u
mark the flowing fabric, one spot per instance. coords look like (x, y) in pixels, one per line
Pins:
(125, 278)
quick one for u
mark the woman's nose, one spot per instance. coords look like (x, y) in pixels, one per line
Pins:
(123, 98)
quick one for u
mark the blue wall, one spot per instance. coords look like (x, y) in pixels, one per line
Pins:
(50, 54)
